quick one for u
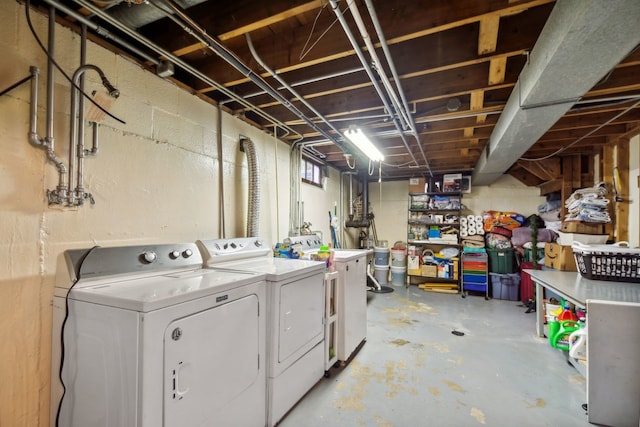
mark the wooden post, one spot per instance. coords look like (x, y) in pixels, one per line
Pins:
(622, 207)
(607, 158)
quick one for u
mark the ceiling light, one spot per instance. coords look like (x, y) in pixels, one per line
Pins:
(360, 140)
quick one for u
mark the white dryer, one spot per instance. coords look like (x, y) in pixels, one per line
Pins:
(295, 313)
(152, 339)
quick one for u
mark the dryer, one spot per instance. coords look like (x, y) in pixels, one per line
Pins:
(295, 313)
(152, 339)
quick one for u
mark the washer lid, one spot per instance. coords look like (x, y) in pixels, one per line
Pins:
(276, 269)
(152, 293)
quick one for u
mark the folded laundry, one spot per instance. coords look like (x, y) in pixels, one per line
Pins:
(588, 204)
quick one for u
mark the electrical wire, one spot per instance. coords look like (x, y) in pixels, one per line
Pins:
(64, 322)
(304, 52)
(59, 68)
(15, 85)
(591, 132)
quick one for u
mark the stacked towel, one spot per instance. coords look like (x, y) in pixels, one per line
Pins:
(588, 205)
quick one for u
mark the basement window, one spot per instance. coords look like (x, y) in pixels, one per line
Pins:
(311, 172)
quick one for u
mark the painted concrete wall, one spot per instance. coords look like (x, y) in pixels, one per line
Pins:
(506, 194)
(155, 180)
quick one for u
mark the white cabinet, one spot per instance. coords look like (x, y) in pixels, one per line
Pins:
(352, 302)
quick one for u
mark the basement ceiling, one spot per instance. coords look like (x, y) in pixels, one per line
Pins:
(457, 63)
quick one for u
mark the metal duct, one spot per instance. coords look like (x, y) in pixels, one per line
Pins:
(253, 209)
(581, 42)
(138, 16)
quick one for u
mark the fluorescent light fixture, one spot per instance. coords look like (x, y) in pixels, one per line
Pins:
(360, 140)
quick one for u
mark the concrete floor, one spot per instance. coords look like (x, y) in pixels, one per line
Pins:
(412, 371)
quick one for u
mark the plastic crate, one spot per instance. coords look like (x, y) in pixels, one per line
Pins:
(505, 286)
(615, 262)
(501, 260)
(472, 278)
(475, 287)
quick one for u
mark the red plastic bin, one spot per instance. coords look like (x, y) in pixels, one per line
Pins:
(526, 284)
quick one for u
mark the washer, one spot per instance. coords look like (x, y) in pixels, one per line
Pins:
(351, 265)
(295, 312)
(153, 339)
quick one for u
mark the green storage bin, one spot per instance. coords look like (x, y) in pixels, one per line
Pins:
(501, 260)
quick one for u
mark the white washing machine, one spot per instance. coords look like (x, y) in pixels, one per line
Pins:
(152, 339)
(351, 265)
(295, 312)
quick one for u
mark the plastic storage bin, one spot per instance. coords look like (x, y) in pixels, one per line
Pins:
(501, 260)
(526, 283)
(505, 286)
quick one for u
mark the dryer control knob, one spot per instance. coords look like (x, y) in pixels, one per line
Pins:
(174, 254)
(187, 253)
(149, 257)
(258, 243)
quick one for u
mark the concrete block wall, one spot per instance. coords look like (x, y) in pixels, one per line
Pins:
(154, 180)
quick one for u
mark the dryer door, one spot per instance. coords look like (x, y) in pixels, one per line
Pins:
(211, 358)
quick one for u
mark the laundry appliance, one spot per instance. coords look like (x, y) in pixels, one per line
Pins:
(351, 295)
(295, 312)
(151, 339)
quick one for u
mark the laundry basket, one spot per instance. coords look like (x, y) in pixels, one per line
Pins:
(617, 262)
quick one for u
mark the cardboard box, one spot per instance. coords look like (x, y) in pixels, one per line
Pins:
(559, 257)
(567, 239)
(413, 262)
(416, 185)
(430, 270)
(582, 227)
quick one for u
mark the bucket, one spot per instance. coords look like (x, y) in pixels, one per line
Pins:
(381, 273)
(398, 275)
(398, 257)
(381, 256)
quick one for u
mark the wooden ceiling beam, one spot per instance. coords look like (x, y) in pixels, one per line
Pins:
(547, 170)
(391, 41)
(488, 38)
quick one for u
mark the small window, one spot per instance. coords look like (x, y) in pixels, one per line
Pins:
(311, 172)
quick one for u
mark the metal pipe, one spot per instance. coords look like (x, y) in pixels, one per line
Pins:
(94, 145)
(60, 193)
(102, 31)
(307, 81)
(220, 172)
(372, 78)
(50, 76)
(79, 190)
(33, 137)
(236, 63)
(77, 197)
(394, 73)
(293, 92)
(33, 109)
(175, 60)
(355, 12)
